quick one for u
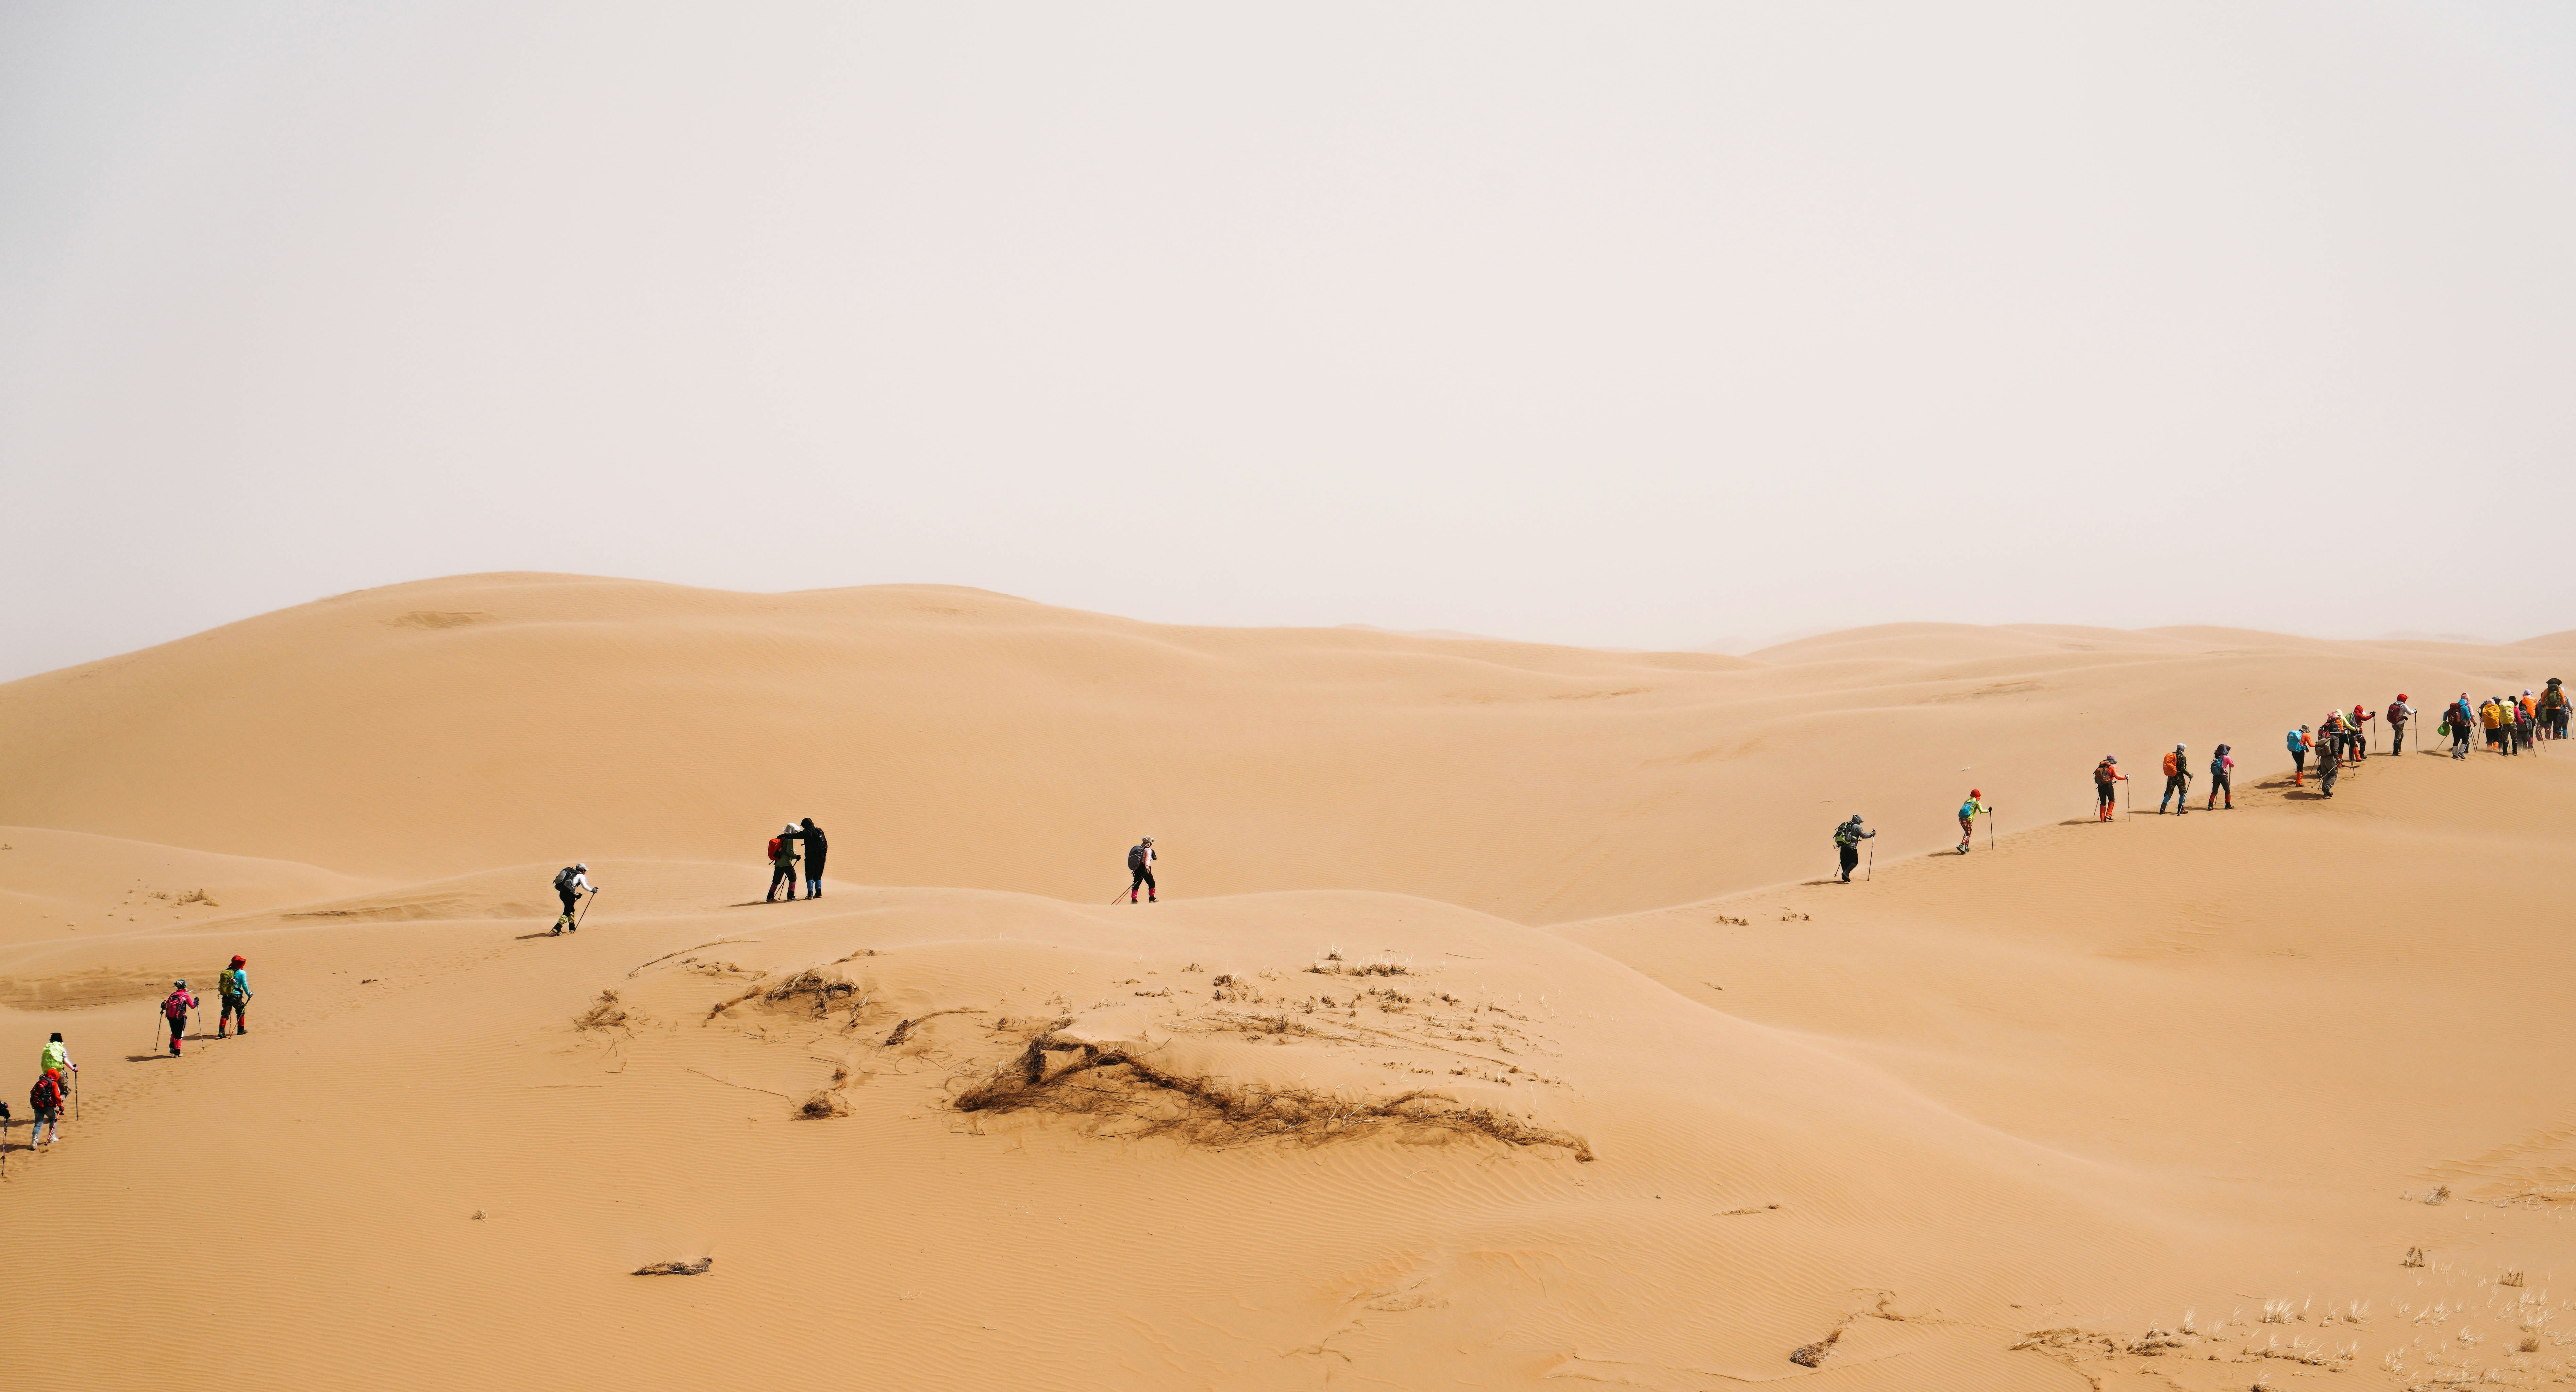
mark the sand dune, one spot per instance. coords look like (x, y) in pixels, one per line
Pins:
(1494, 1031)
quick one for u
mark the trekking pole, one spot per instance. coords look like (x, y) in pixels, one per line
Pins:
(585, 911)
(1873, 864)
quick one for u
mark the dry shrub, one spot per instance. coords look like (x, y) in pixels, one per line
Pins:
(676, 1268)
(604, 1013)
(1108, 1084)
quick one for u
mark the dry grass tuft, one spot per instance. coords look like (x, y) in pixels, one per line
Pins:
(2510, 1278)
(2414, 1257)
(1814, 1355)
(604, 1013)
(677, 1268)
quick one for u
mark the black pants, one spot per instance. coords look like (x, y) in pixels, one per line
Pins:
(1851, 857)
(2109, 793)
(1144, 877)
(2219, 787)
(2299, 762)
(782, 872)
(2327, 771)
(570, 898)
(813, 874)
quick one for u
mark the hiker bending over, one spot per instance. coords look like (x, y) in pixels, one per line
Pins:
(2299, 756)
(571, 882)
(45, 1099)
(175, 1008)
(2106, 780)
(2177, 781)
(1847, 839)
(1968, 814)
(1140, 868)
(232, 990)
(782, 863)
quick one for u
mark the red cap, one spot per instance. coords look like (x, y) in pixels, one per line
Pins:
(241, 961)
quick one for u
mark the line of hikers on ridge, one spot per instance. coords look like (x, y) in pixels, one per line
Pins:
(58, 1078)
(2511, 724)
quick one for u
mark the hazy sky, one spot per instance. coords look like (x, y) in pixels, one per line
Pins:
(1625, 325)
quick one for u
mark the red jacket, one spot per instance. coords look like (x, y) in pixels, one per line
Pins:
(179, 1004)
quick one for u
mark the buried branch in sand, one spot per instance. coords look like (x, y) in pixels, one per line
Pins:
(677, 1268)
(1087, 1080)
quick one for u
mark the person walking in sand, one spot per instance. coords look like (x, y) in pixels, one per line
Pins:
(175, 1008)
(817, 845)
(2329, 763)
(2462, 722)
(2553, 710)
(1969, 811)
(782, 863)
(2526, 718)
(1140, 870)
(2299, 757)
(2399, 714)
(2106, 780)
(2491, 719)
(45, 1099)
(2360, 728)
(571, 882)
(232, 991)
(2221, 766)
(55, 1058)
(2177, 781)
(1847, 839)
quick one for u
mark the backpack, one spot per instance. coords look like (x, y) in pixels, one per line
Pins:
(2396, 713)
(1135, 860)
(46, 1095)
(2102, 775)
(176, 1007)
(563, 879)
(2173, 765)
(1843, 835)
(773, 848)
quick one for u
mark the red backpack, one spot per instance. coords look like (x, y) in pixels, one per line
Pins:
(176, 1007)
(773, 848)
(47, 1094)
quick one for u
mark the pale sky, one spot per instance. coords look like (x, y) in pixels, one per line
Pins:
(1621, 325)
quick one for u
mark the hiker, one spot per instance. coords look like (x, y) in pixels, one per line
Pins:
(2491, 717)
(2177, 781)
(45, 1099)
(2360, 733)
(55, 1058)
(2329, 733)
(2526, 715)
(816, 846)
(571, 882)
(2329, 763)
(232, 990)
(2105, 775)
(1968, 812)
(2299, 757)
(2220, 766)
(2553, 710)
(2399, 713)
(1140, 869)
(175, 1008)
(782, 863)
(1848, 837)
(2462, 721)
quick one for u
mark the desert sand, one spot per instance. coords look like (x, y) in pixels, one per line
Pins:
(1500, 1022)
